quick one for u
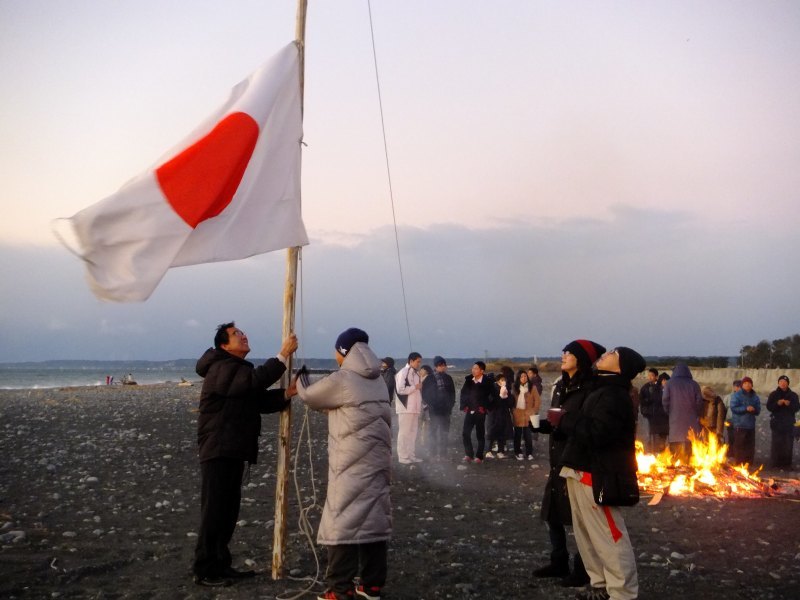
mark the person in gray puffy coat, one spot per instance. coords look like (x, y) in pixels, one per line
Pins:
(357, 518)
(683, 402)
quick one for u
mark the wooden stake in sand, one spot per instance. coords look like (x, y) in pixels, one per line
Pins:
(285, 427)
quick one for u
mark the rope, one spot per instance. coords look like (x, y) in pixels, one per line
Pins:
(303, 522)
(389, 175)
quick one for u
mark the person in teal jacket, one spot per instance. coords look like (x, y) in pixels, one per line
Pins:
(745, 407)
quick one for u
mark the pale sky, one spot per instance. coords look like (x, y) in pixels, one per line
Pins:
(627, 172)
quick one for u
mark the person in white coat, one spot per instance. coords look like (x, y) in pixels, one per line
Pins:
(408, 389)
(357, 519)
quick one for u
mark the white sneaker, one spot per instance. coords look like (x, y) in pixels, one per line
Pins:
(501, 455)
(489, 455)
(530, 456)
(519, 457)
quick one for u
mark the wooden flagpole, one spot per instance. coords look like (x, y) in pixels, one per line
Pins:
(285, 428)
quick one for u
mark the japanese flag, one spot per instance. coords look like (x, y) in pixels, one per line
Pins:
(230, 190)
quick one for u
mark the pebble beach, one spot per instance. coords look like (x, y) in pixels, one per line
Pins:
(99, 497)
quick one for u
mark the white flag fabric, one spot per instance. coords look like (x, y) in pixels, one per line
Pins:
(230, 190)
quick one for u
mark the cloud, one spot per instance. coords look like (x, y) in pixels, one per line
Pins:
(658, 281)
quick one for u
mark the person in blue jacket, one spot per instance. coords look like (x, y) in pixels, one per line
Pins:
(745, 407)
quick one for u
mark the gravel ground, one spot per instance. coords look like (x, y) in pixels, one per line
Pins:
(99, 499)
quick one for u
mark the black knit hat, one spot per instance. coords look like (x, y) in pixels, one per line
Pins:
(389, 361)
(348, 338)
(586, 351)
(631, 363)
(438, 360)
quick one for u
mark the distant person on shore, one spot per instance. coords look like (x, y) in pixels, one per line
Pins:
(424, 427)
(499, 424)
(234, 395)
(527, 403)
(683, 402)
(408, 389)
(653, 412)
(745, 407)
(356, 522)
(439, 394)
(387, 373)
(478, 394)
(726, 400)
(783, 405)
(569, 392)
(535, 379)
(600, 469)
(714, 413)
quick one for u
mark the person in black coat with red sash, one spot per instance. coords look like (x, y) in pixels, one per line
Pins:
(600, 469)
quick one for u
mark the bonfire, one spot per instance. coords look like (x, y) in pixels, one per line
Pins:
(708, 473)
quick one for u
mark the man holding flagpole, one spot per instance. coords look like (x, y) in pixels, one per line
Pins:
(235, 393)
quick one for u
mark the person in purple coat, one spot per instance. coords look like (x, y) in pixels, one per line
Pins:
(683, 402)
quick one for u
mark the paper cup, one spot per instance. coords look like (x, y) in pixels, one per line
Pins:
(554, 416)
(535, 421)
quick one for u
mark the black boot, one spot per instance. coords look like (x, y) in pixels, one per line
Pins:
(579, 577)
(553, 569)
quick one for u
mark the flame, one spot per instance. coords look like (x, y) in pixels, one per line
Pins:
(707, 471)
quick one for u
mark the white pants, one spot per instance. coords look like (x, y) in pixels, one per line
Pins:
(408, 423)
(603, 543)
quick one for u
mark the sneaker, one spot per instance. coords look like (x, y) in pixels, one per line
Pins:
(592, 594)
(530, 456)
(467, 459)
(519, 457)
(477, 461)
(372, 592)
(501, 455)
(331, 595)
(416, 460)
(552, 570)
(211, 581)
(489, 455)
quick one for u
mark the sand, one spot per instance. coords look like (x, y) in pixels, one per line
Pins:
(99, 499)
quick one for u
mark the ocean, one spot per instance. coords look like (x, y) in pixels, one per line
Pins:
(53, 374)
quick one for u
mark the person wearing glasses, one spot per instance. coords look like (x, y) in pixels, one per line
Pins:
(234, 396)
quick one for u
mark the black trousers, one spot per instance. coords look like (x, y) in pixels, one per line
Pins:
(348, 561)
(220, 497)
(521, 433)
(475, 421)
(744, 446)
(781, 447)
(439, 428)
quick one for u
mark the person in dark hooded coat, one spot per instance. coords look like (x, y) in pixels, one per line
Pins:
(683, 402)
